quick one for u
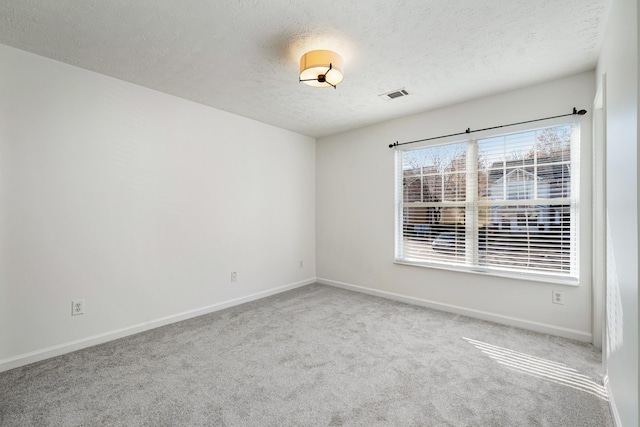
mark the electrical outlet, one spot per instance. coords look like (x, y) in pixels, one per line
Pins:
(301, 264)
(77, 307)
(557, 297)
(234, 276)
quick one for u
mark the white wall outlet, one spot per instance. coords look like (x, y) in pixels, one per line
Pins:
(557, 297)
(77, 307)
(234, 276)
(301, 264)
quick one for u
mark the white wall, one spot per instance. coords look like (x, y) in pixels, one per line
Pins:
(355, 214)
(138, 202)
(619, 62)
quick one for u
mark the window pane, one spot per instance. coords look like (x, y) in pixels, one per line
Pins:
(455, 187)
(554, 144)
(412, 189)
(432, 188)
(435, 234)
(554, 180)
(517, 182)
(529, 165)
(526, 237)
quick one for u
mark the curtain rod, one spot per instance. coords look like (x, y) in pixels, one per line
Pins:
(575, 112)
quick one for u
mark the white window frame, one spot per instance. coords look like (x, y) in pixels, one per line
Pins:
(471, 207)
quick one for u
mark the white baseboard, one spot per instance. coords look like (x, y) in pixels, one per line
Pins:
(612, 403)
(57, 350)
(477, 314)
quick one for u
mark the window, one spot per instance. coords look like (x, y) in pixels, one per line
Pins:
(504, 204)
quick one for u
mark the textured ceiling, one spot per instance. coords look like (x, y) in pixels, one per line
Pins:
(242, 56)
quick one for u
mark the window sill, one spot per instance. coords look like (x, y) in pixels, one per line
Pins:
(566, 281)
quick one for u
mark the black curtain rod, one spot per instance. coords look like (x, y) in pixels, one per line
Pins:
(575, 112)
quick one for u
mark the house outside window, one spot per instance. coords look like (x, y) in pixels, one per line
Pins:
(504, 204)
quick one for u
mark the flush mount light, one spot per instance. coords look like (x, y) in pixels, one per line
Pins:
(321, 68)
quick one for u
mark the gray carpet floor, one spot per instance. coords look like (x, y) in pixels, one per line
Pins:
(315, 356)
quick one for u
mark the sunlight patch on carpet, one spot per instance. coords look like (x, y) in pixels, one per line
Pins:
(541, 368)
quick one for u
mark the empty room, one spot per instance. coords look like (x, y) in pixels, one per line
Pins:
(252, 213)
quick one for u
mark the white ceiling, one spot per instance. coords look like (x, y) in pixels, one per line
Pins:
(243, 56)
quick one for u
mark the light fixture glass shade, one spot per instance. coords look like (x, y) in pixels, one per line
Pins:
(321, 68)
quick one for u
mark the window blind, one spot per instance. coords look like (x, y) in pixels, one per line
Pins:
(503, 203)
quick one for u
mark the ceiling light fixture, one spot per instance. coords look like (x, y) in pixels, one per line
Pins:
(321, 68)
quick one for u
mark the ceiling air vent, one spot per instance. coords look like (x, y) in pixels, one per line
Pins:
(398, 93)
